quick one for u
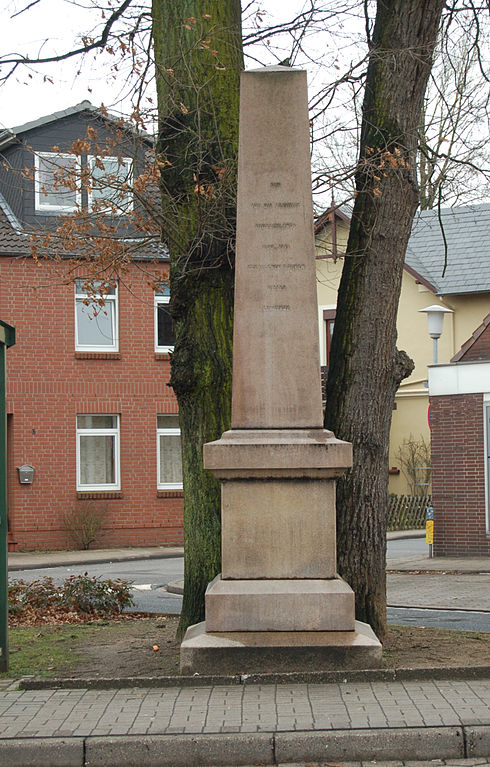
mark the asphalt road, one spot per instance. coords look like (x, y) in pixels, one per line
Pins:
(151, 576)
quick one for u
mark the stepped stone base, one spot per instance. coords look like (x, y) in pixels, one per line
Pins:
(279, 605)
(246, 652)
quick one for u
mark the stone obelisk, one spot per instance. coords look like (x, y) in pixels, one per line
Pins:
(278, 602)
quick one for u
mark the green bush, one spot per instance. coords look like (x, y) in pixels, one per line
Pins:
(78, 593)
(90, 595)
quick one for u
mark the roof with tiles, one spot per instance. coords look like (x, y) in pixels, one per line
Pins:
(477, 347)
(8, 137)
(466, 231)
(12, 241)
(461, 232)
(15, 242)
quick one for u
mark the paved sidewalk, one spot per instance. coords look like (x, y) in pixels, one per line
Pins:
(32, 560)
(247, 724)
(439, 592)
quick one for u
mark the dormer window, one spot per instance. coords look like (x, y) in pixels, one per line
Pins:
(57, 182)
(110, 182)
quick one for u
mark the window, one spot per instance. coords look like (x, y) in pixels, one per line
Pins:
(169, 458)
(110, 178)
(96, 318)
(329, 320)
(164, 330)
(56, 186)
(98, 452)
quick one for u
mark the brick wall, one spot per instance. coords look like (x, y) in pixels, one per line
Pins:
(480, 349)
(48, 384)
(458, 475)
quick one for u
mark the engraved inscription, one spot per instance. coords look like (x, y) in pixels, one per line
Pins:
(277, 307)
(276, 287)
(257, 205)
(273, 267)
(276, 225)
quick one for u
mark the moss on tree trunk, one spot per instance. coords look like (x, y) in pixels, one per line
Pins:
(198, 57)
(365, 366)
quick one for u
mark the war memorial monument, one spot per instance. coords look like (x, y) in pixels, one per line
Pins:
(278, 604)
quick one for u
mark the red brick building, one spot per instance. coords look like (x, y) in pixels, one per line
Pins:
(460, 437)
(89, 406)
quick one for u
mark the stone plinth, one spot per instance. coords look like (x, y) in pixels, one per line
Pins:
(279, 605)
(274, 453)
(250, 652)
(278, 498)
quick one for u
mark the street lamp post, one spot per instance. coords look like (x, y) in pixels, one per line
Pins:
(435, 320)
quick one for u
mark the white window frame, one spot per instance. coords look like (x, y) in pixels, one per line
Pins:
(322, 330)
(112, 432)
(124, 202)
(114, 346)
(166, 432)
(39, 197)
(159, 300)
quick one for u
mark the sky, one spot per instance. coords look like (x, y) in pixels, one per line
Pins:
(50, 26)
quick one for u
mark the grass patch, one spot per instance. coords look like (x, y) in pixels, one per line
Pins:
(46, 650)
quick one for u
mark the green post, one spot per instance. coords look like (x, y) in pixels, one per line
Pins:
(7, 338)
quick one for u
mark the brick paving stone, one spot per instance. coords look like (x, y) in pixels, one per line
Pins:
(248, 708)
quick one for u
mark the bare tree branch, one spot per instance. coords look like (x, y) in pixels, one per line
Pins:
(90, 45)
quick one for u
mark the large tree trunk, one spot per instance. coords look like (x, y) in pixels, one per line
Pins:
(198, 58)
(365, 366)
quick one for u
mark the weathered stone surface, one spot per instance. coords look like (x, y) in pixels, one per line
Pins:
(374, 745)
(278, 529)
(270, 453)
(279, 605)
(263, 651)
(276, 366)
(180, 750)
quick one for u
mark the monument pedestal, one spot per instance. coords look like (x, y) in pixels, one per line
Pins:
(278, 604)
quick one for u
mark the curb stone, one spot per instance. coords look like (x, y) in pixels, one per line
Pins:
(180, 750)
(42, 752)
(439, 745)
(308, 677)
(478, 740)
(416, 743)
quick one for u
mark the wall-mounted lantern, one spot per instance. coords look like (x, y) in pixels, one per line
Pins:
(26, 474)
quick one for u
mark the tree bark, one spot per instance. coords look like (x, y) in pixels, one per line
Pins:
(365, 366)
(198, 57)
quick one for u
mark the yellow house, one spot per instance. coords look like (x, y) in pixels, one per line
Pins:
(463, 287)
